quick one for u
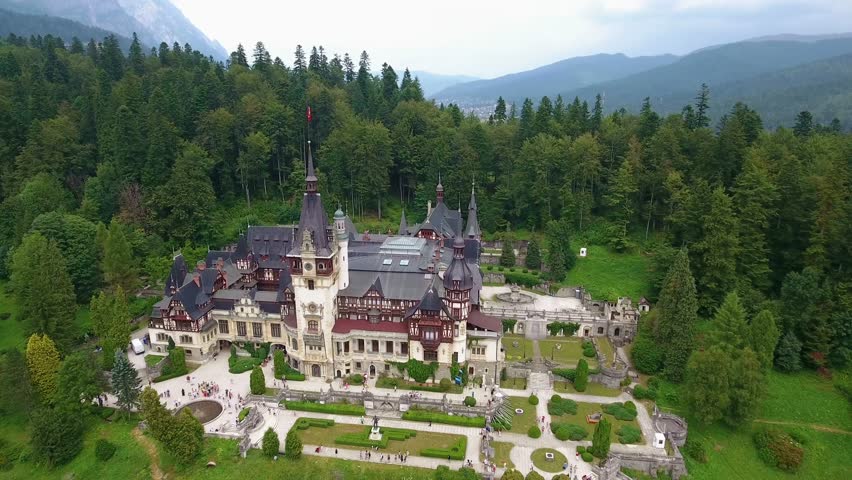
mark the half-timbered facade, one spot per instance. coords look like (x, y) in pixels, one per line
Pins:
(336, 301)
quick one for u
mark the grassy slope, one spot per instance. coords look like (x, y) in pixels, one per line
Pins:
(522, 351)
(522, 423)
(570, 353)
(609, 275)
(797, 401)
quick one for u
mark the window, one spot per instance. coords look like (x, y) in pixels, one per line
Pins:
(479, 351)
(295, 343)
(600, 330)
(430, 356)
(276, 329)
(360, 346)
(387, 261)
(430, 334)
(310, 284)
(162, 337)
(374, 347)
(188, 352)
(223, 326)
(185, 339)
(387, 367)
(403, 348)
(403, 262)
(389, 347)
(313, 326)
(346, 346)
(357, 365)
(457, 331)
(257, 329)
(241, 329)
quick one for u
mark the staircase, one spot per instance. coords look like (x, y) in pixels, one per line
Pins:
(539, 381)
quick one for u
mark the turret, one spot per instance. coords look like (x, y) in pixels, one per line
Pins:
(342, 248)
(439, 190)
(310, 177)
(403, 225)
(472, 230)
(458, 282)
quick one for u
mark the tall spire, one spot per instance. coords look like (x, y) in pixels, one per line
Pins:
(439, 190)
(472, 230)
(403, 225)
(311, 177)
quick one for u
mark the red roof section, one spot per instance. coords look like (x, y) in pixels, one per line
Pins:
(290, 320)
(346, 325)
(485, 322)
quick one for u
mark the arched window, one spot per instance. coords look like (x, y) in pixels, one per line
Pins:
(313, 326)
(600, 330)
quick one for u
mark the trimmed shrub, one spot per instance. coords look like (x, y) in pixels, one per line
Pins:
(566, 373)
(304, 423)
(521, 278)
(694, 448)
(533, 400)
(629, 405)
(778, 449)
(355, 379)
(334, 408)
(561, 406)
(587, 457)
(629, 434)
(271, 444)
(470, 401)
(533, 475)
(445, 384)
(420, 415)
(640, 393)
(581, 376)
(620, 411)
(243, 414)
(589, 352)
(257, 381)
(104, 449)
(293, 445)
(534, 432)
(581, 449)
(568, 431)
(292, 374)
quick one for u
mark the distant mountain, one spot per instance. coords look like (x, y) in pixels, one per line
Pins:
(744, 63)
(24, 25)
(550, 79)
(154, 21)
(434, 82)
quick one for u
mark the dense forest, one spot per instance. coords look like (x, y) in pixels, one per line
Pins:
(109, 162)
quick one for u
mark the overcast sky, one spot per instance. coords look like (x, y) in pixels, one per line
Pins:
(487, 38)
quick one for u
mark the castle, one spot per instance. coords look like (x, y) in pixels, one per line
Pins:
(335, 301)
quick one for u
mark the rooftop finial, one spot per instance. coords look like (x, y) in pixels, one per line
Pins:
(311, 177)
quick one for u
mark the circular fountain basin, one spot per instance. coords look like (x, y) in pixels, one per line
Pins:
(204, 410)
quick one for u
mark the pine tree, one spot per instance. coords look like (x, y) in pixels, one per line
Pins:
(730, 330)
(601, 438)
(507, 255)
(788, 353)
(126, 384)
(293, 445)
(500, 111)
(43, 291)
(118, 265)
(717, 251)
(702, 105)
(111, 322)
(271, 443)
(43, 365)
(581, 375)
(764, 335)
(135, 58)
(533, 258)
(677, 314)
(804, 124)
(755, 197)
(257, 381)
(526, 128)
(621, 197)
(184, 220)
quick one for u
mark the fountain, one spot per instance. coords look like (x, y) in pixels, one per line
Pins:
(515, 296)
(204, 410)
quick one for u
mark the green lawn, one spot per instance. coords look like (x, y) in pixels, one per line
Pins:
(521, 423)
(523, 351)
(152, 360)
(564, 386)
(514, 383)
(584, 409)
(609, 275)
(502, 452)
(324, 436)
(800, 401)
(570, 353)
(551, 466)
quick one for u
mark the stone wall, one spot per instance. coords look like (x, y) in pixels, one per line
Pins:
(651, 464)
(492, 277)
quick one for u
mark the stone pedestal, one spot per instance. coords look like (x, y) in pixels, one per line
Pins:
(375, 434)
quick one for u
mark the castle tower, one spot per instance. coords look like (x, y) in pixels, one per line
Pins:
(313, 268)
(472, 230)
(342, 249)
(458, 282)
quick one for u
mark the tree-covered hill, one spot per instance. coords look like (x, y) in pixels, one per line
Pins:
(24, 25)
(554, 78)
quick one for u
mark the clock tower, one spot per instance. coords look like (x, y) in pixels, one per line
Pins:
(313, 262)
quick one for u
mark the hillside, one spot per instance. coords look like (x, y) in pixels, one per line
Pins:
(672, 86)
(548, 80)
(154, 21)
(435, 82)
(25, 25)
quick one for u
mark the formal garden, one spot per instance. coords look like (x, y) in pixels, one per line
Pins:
(576, 420)
(327, 433)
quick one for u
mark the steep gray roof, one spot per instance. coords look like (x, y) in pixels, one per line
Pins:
(472, 230)
(403, 225)
(458, 270)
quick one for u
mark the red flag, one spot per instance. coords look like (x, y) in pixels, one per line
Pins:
(310, 117)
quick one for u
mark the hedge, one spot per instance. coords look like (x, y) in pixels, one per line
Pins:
(520, 278)
(587, 457)
(243, 414)
(629, 434)
(292, 374)
(355, 379)
(456, 452)
(304, 423)
(561, 406)
(621, 411)
(363, 439)
(568, 431)
(640, 392)
(581, 449)
(163, 378)
(419, 415)
(333, 408)
(470, 401)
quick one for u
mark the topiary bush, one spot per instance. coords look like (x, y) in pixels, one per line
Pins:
(561, 406)
(568, 431)
(629, 434)
(104, 449)
(445, 384)
(470, 401)
(620, 411)
(533, 400)
(534, 432)
(587, 457)
(581, 449)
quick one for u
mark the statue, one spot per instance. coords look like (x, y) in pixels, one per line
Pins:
(375, 432)
(376, 422)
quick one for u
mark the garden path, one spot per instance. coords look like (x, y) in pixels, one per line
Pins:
(151, 449)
